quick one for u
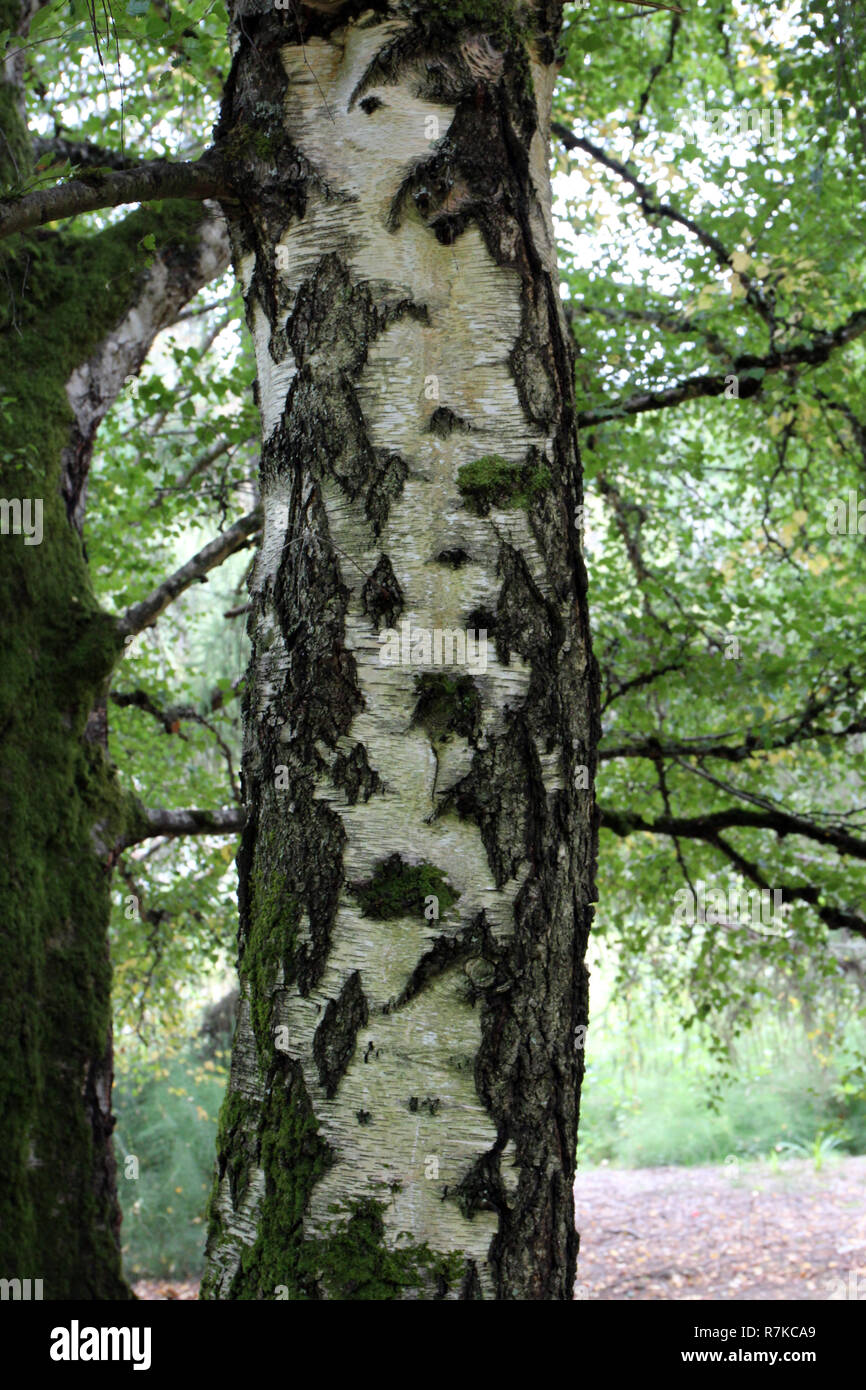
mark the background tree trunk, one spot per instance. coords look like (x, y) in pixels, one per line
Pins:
(79, 314)
(401, 1120)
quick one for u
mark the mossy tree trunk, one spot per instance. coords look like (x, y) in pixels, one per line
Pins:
(417, 870)
(79, 312)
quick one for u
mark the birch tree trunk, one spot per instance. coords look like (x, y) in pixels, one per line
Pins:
(417, 871)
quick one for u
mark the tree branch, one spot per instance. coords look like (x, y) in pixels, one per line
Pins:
(158, 178)
(144, 614)
(171, 715)
(82, 153)
(705, 747)
(199, 465)
(150, 822)
(635, 683)
(651, 206)
(707, 827)
(647, 197)
(171, 719)
(811, 354)
(655, 71)
(668, 323)
(160, 292)
(836, 918)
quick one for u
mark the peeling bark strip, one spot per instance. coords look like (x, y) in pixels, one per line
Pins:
(417, 868)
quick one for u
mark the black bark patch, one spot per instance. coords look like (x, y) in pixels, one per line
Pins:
(381, 596)
(332, 319)
(332, 324)
(336, 1036)
(386, 484)
(293, 1156)
(497, 794)
(447, 705)
(326, 433)
(473, 173)
(532, 1090)
(440, 76)
(443, 422)
(470, 1289)
(320, 694)
(430, 1105)
(481, 1188)
(455, 558)
(446, 952)
(353, 773)
(315, 699)
(481, 620)
(533, 361)
(525, 622)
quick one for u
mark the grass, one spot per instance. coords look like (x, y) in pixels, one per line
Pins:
(167, 1122)
(652, 1095)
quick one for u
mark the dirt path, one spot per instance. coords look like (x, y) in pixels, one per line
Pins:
(723, 1233)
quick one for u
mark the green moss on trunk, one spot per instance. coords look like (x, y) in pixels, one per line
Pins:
(353, 1260)
(493, 482)
(60, 806)
(398, 889)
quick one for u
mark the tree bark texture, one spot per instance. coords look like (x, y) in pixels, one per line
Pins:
(401, 1120)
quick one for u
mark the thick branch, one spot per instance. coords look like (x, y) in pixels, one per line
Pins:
(175, 275)
(708, 827)
(225, 820)
(171, 715)
(752, 746)
(836, 918)
(144, 614)
(159, 178)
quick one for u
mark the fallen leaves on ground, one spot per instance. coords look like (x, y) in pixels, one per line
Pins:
(727, 1233)
(165, 1289)
(740, 1231)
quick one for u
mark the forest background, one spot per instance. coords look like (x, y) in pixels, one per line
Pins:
(709, 174)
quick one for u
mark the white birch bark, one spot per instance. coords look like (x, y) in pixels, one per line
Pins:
(427, 362)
